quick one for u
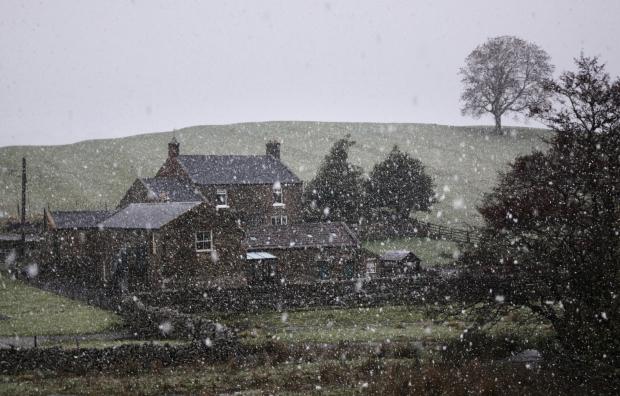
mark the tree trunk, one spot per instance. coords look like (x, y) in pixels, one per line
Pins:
(498, 124)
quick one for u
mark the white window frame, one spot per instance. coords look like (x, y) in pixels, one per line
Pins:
(219, 205)
(279, 220)
(203, 240)
(278, 196)
(371, 267)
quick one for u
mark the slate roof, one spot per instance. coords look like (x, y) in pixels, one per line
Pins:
(303, 235)
(395, 255)
(147, 215)
(176, 190)
(236, 169)
(79, 218)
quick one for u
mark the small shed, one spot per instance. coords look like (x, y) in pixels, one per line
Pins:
(262, 267)
(399, 262)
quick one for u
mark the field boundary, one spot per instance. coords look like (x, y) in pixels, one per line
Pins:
(415, 228)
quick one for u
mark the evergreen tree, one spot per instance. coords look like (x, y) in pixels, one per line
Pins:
(335, 194)
(553, 223)
(398, 185)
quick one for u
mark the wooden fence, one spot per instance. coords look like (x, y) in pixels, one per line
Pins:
(415, 228)
(436, 231)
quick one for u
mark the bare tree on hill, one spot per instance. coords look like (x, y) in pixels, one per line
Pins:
(504, 75)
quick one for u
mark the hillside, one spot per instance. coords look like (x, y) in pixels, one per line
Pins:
(463, 161)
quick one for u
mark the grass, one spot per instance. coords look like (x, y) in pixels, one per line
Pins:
(463, 161)
(101, 344)
(287, 378)
(32, 311)
(430, 251)
(374, 325)
(327, 376)
(339, 369)
(393, 323)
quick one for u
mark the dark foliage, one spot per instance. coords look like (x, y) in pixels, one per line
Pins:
(335, 194)
(553, 222)
(503, 75)
(398, 185)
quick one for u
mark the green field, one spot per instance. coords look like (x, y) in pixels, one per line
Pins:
(379, 324)
(323, 351)
(29, 311)
(463, 161)
(351, 325)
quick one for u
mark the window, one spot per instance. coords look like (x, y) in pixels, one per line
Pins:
(221, 199)
(277, 195)
(279, 220)
(348, 270)
(371, 267)
(324, 272)
(5, 255)
(204, 241)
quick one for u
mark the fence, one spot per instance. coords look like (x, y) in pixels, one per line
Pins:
(415, 228)
(436, 231)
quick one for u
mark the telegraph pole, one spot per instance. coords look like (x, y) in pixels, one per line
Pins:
(23, 214)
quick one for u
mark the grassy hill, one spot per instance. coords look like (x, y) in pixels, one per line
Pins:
(29, 311)
(463, 161)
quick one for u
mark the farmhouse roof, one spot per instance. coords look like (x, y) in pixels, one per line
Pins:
(147, 215)
(396, 255)
(78, 218)
(303, 235)
(172, 189)
(236, 169)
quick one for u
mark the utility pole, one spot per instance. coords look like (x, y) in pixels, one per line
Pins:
(23, 214)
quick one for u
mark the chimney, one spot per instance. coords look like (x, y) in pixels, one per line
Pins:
(273, 149)
(173, 148)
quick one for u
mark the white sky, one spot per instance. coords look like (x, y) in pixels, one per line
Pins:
(74, 70)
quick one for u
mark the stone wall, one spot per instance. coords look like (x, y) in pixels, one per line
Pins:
(125, 358)
(353, 293)
(150, 321)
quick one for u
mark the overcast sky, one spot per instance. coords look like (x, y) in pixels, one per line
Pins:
(74, 70)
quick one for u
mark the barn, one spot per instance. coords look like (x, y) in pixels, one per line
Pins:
(398, 262)
(146, 246)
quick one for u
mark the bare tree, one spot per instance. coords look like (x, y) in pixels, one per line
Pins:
(505, 74)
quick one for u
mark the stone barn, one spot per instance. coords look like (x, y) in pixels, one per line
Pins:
(147, 246)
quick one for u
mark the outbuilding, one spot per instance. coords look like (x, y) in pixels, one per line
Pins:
(398, 262)
(146, 246)
(307, 252)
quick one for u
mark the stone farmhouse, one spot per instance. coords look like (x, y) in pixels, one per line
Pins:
(202, 220)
